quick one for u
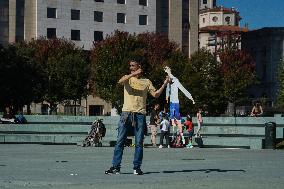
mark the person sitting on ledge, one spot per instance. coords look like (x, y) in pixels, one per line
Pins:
(256, 110)
(8, 116)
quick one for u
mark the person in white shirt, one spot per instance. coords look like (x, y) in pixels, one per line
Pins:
(165, 131)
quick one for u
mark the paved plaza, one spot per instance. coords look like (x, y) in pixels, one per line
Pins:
(74, 167)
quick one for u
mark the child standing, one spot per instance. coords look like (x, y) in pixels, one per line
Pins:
(190, 129)
(199, 122)
(165, 131)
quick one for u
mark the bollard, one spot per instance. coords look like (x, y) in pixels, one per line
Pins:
(270, 135)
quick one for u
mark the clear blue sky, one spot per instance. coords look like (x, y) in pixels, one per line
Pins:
(258, 13)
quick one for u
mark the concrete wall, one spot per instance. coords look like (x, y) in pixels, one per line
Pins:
(248, 132)
(194, 26)
(175, 21)
(30, 19)
(12, 21)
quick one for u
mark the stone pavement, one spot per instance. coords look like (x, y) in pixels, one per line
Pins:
(73, 167)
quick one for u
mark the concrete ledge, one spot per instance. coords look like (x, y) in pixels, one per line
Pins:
(44, 128)
(245, 132)
(242, 142)
(2, 139)
(33, 138)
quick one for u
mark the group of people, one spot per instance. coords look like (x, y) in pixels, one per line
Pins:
(161, 120)
(133, 114)
(10, 117)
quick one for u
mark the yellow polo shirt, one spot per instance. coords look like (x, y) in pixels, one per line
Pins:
(135, 94)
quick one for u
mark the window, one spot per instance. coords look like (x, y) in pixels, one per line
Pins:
(4, 14)
(96, 110)
(75, 14)
(228, 19)
(51, 33)
(143, 2)
(121, 18)
(75, 35)
(215, 19)
(73, 110)
(51, 12)
(204, 1)
(99, 0)
(98, 36)
(203, 20)
(121, 1)
(142, 19)
(98, 16)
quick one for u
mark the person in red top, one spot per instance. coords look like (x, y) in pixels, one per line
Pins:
(190, 129)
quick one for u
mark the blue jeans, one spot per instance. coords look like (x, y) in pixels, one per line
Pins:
(137, 122)
(174, 111)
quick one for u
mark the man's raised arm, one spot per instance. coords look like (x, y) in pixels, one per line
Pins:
(158, 92)
(127, 77)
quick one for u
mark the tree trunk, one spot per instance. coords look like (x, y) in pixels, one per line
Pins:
(53, 109)
(29, 109)
(75, 109)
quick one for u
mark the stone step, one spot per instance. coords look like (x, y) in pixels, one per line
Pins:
(41, 138)
(242, 142)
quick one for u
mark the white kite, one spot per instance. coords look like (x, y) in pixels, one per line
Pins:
(172, 93)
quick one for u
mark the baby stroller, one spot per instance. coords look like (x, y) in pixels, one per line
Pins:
(98, 131)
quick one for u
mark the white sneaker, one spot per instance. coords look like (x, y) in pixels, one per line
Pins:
(160, 146)
(169, 146)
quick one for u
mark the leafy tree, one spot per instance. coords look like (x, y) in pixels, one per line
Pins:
(66, 69)
(74, 73)
(206, 82)
(280, 93)
(21, 79)
(238, 71)
(110, 62)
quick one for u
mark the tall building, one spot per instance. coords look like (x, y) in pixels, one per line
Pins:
(266, 45)
(82, 21)
(11, 21)
(178, 19)
(217, 25)
(85, 21)
(207, 4)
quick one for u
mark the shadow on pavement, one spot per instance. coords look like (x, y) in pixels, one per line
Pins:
(205, 171)
(197, 170)
(145, 173)
(199, 142)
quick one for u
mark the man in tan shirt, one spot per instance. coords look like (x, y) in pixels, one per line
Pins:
(133, 115)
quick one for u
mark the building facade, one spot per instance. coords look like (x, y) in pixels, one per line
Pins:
(81, 21)
(178, 19)
(207, 4)
(217, 26)
(266, 45)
